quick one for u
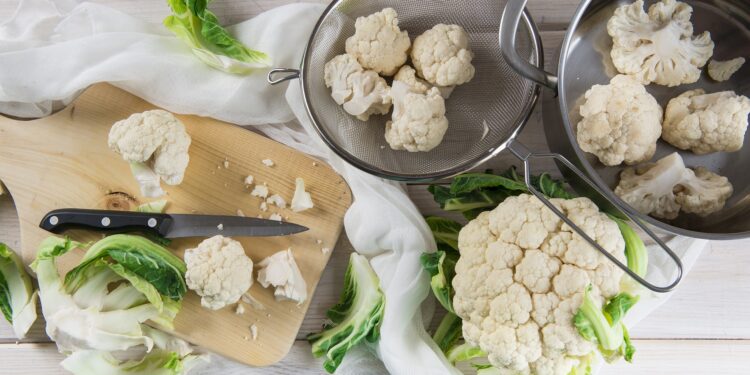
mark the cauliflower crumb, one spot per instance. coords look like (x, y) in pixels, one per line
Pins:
(253, 302)
(240, 213)
(378, 44)
(260, 191)
(254, 332)
(275, 216)
(226, 164)
(325, 250)
(249, 180)
(319, 242)
(276, 200)
(263, 206)
(240, 309)
(220, 226)
(721, 71)
(268, 162)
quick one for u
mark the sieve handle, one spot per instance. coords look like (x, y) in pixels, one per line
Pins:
(289, 74)
(514, 9)
(522, 153)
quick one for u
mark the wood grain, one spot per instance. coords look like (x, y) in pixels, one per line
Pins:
(64, 161)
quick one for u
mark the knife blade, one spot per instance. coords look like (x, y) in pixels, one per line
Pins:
(165, 225)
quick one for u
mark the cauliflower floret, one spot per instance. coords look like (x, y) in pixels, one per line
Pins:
(721, 71)
(517, 300)
(378, 43)
(153, 142)
(442, 55)
(621, 122)
(419, 124)
(337, 73)
(361, 92)
(664, 188)
(219, 271)
(705, 123)
(659, 46)
(553, 363)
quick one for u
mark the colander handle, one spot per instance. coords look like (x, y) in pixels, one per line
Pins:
(514, 10)
(289, 74)
(526, 156)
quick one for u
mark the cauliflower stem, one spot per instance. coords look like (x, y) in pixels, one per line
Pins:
(356, 317)
(604, 325)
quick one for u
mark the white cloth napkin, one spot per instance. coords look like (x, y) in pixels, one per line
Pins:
(52, 50)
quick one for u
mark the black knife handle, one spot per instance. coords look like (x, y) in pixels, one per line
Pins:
(59, 221)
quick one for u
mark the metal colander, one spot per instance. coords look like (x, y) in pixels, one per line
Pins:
(483, 114)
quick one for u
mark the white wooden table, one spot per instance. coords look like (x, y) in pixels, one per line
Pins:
(703, 329)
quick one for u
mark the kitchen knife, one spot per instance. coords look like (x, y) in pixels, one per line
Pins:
(165, 225)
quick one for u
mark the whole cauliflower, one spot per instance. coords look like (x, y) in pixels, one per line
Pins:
(419, 121)
(664, 188)
(362, 92)
(705, 123)
(219, 271)
(521, 278)
(156, 144)
(442, 56)
(621, 122)
(378, 44)
(659, 46)
(721, 71)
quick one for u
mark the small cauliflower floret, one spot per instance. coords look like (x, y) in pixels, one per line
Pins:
(659, 46)
(705, 123)
(337, 73)
(301, 200)
(280, 271)
(721, 71)
(520, 280)
(664, 188)
(420, 124)
(370, 95)
(156, 145)
(442, 56)
(378, 44)
(621, 122)
(219, 271)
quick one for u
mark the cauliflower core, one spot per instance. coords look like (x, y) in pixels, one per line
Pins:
(621, 122)
(219, 271)
(153, 142)
(659, 46)
(442, 56)
(521, 278)
(361, 92)
(705, 123)
(664, 188)
(721, 71)
(378, 44)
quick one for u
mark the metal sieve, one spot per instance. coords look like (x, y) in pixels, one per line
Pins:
(484, 114)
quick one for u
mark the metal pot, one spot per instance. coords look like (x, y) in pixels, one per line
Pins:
(584, 61)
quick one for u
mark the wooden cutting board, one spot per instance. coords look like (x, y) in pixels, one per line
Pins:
(63, 161)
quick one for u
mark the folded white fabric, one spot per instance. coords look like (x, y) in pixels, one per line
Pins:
(51, 50)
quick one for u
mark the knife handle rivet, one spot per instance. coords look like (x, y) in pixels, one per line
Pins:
(54, 220)
(105, 221)
(152, 223)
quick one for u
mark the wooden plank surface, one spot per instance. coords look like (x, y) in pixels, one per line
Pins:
(703, 329)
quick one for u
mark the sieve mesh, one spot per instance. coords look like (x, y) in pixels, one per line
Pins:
(483, 114)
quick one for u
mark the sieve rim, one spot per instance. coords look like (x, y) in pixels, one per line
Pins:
(522, 119)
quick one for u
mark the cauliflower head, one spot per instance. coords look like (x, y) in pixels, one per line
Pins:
(721, 71)
(522, 275)
(621, 122)
(664, 188)
(419, 122)
(155, 137)
(378, 44)
(442, 55)
(219, 271)
(361, 92)
(705, 123)
(658, 46)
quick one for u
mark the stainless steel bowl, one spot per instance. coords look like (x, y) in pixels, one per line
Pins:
(584, 61)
